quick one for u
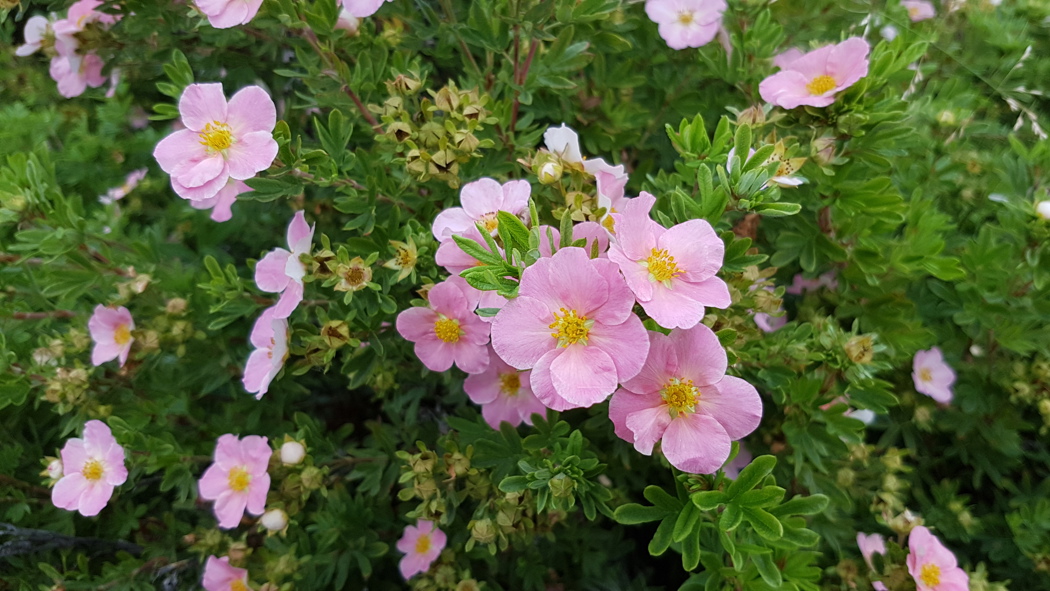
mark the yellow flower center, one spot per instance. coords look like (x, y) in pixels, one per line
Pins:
(238, 585)
(92, 470)
(570, 328)
(447, 329)
(489, 221)
(405, 257)
(422, 544)
(913, 11)
(821, 84)
(925, 374)
(239, 479)
(510, 383)
(681, 396)
(122, 335)
(661, 266)
(930, 575)
(216, 136)
(686, 18)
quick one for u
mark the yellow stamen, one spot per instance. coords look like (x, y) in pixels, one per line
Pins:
(122, 335)
(238, 585)
(92, 470)
(681, 396)
(447, 329)
(422, 544)
(510, 384)
(686, 18)
(662, 266)
(930, 575)
(216, 136)
(570, 328)
(821, 84)
(239, 479)
(925, 374)
(489, 221)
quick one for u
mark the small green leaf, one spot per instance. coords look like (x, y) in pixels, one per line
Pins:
(633, 513)
(751, 475)
(765, 524)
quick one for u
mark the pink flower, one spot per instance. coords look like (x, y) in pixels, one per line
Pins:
(686, 23)
(572, 325)
(504, 394)
(932, 565)
(783, 59)
(814, 78)
(281, 271)
(220, 576)
(111, 328)
(671, 272)
(270, 339)
(683, 397)
(933, 377)
(919, 10)
(221, 141)
(481, 200)
(238, 478)
(448, 330)
(36, 30)
(870, 544)
(91, 466)
(453, 258)
(742, 459)
(362, 8)
(75, 72)
(800, 284)
(593, 233)
(130, 182)
(221, 205)
(422, 543)
(81, 14)
(223, 14)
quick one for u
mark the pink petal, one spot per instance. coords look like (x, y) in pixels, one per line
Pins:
(661, 364)
(415, 324)
(202, 104)
(289, 300)
(228, 452)
(269, 272)
(516, 196)
(255, 454)
(68, 490)
(206, 191)
(635, 275)
(521, 334)
(542, 383)
(104, 352)
(213, 483)
(696, 443)
(583, 375)
(436, 355)
(626, 344)
(673, 308)
(196, 174)
(448, 298)
(848, 61)
(619, 303)
(413, 564)
(449, 222)
(257, 372)
(229, 508)
(592, 232)
(251, 110)
(95, 498)
(470, 357)
(576, 282)
(698, 251)
(624, 403)
(734, 403)
(480, 197)
(362, 9)
(788, 89)
(250, 154)
(700, 355)
(635, 231)
(257, 491)
(648, 426)
(177, 148)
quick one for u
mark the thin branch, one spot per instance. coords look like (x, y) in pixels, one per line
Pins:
(22, 541)
(42, 315)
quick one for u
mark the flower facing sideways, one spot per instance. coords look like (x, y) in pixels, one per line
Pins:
(481, 200)
(91, 468)
(110, 329)
(221, 140)
(932, 376)
(421, 543)
(870, 545)
(448, 331)
(281, 271)
(919, 10)
(238, 479)
(814, 78)
(683, 398)
(220, 576)
(270, 338)
(933, 566)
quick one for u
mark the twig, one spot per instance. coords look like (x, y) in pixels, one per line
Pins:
(28, 541)
(42, 315)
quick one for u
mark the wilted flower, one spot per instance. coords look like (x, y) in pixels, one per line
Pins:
(405, 259)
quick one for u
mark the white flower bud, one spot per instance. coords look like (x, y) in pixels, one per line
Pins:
(550, 172)
(274, 520)
(54, 469)
(1043, 210)
(292, 453)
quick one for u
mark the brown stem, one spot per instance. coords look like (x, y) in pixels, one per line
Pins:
(36, 491)
(42, 315)
(520, 76)
(376, 127)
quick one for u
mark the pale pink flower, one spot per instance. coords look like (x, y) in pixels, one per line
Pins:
(281, 271)
(686, 23)
(221, 141)
(572, 325)
(110, 329)
(783, 59)
(237, 480)
(448, 331)
(919, 10)
(91, 466)
(362, 8)
(742, 459)
(816, 77)
(37, 29)
(270, 339)
(800, 284)
(421, 543)
(81, 14)
(220, 576)
(933, 566)
(671, 271)
(481, 200)
(221, 205)
(683, 397)
(74, 73)
(223, 14)
(454, 259)
(130, 182)
(932, 376)
(870, 544)
(504, 394)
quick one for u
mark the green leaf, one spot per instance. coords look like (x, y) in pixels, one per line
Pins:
(751, 475)
(768, 570)
(662, 538)
(512, 231)
(633, 513)
(766, 496)
(708, 499)
(659, 497)
(476, 251)
(800, 505)
(686, 522)
(778, 209)
(765, 524)
(730, 518)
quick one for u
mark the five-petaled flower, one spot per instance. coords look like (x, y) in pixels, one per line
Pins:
(421, 544)
(686, 23)
(110, 329)
(238, 479)
(448, 331)
(223, 14)
(221, 140)
(814, 78)
(932, 376)
(219, 575)
(481, 201)
(933, 566)
(281, 271)
(91, 467)
(504, 394)
(572, 324)
(870, 545)
(683, 397)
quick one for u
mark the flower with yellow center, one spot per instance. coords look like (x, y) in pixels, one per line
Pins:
(238, 585)
(662, 267)
(93, 470)
(570, 328)
(423, 544)
(685, 18)
(239, 479)
(930, 575)
(821, 84)
(216, 136)
(510, 384)
(448, 330)
(681, 396)
(405, 258)
(122, 335)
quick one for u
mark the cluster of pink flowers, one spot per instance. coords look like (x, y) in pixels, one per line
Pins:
(929, 562)
(222, 145)
(72, 67)
(813, 79)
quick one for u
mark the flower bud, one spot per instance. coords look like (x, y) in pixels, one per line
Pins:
(175, 306)
(347, 22)
(823, 150)
(274, 520)
(754, 116)
(1043, 210)
(54, 468)
(292, 453)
